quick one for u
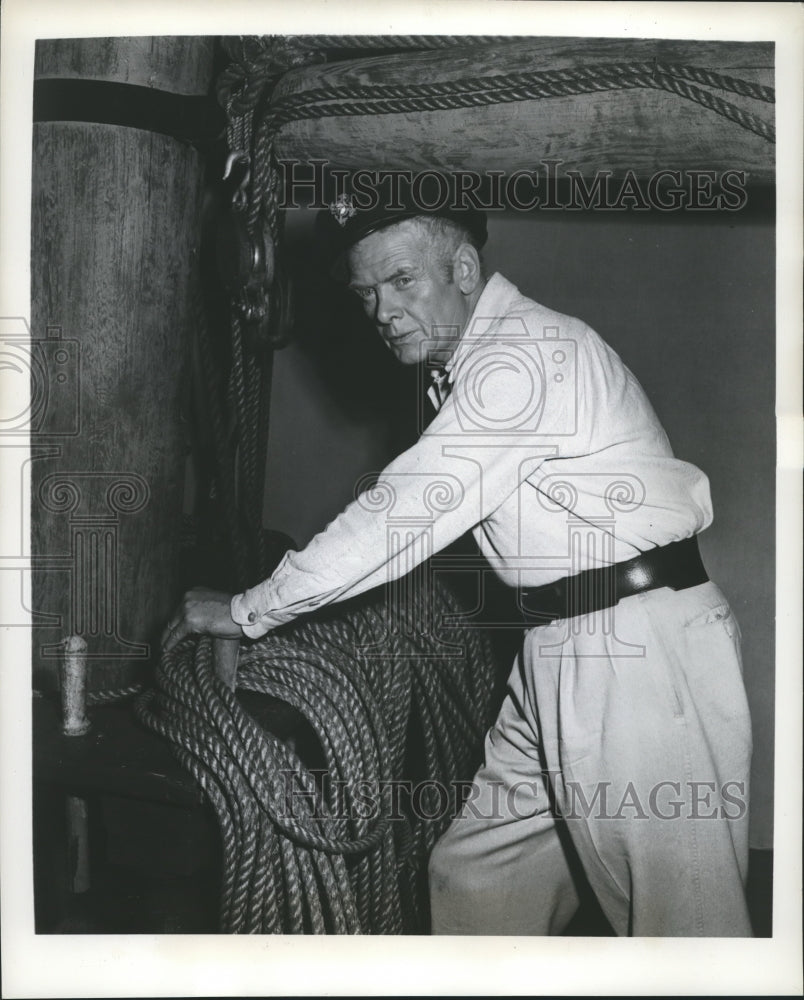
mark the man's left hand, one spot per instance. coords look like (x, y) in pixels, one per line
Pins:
(201, 612)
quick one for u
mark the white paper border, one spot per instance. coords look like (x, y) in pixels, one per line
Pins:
(88, 966)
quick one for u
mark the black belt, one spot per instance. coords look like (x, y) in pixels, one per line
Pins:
(677, 565)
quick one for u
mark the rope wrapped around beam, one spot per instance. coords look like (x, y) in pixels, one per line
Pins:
(244, 90)
(259, 62)
(328, 102)
(692, 83)
(399, 719)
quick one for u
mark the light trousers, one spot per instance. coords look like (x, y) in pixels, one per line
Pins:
(623, 744)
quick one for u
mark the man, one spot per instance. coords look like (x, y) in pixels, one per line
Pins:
(624, 738)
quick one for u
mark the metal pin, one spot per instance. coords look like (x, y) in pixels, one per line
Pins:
(73, 676)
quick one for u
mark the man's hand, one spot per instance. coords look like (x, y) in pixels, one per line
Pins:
(202, 612)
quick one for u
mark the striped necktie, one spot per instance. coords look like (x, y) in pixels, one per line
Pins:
(440, 388)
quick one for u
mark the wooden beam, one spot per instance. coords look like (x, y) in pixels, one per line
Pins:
(642, 130)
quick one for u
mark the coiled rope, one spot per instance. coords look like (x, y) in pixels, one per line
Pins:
(343, 850)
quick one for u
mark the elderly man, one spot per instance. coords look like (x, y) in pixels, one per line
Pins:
(624, 740)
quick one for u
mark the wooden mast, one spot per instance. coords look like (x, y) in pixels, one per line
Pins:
(115, 230)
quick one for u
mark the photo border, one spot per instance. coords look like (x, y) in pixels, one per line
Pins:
(150, 965)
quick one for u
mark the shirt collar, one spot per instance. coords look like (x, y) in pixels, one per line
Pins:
(495, 302)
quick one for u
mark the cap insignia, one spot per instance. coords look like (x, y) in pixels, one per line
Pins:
(342, 209)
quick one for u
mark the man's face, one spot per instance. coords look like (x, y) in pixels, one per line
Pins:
(405, 291)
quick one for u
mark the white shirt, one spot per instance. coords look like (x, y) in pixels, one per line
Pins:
(546, 448)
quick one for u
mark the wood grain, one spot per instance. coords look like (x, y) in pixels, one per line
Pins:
(639, 130)
(115, 220)
(180, 65)
(115, 225)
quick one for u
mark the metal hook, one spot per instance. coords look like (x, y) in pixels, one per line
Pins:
(240, 196)
(237, 156)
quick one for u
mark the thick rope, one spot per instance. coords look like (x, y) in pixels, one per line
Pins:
(312, 853)
(221, 437)
(483, 91)
(258, 62)
(327, 102)
(108, 695)
(533, 84)
(398, 42)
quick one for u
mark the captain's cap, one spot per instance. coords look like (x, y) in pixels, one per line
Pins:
(353, 215)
